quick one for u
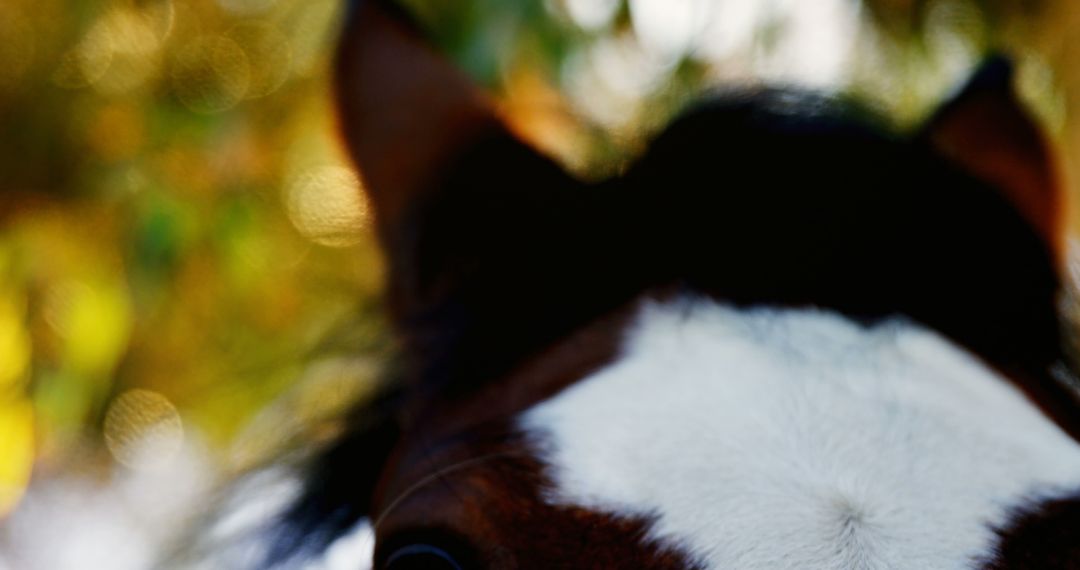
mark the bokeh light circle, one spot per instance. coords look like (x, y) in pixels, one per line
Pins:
(85, 63)
(119, 53)
(143, 429)
(269, 55)
(591, 14)
(327, 206)
(669, 28)
(211, 75)
(135, 50)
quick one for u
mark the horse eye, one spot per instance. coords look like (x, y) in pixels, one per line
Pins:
(421, 557)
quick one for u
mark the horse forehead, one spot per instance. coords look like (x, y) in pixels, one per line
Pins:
(761, 438)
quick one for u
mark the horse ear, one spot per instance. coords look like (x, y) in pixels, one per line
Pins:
(455, 194)
(404, 110)
(986, 130)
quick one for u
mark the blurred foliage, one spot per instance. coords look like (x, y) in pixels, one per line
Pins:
(180, 237)
(149, 150)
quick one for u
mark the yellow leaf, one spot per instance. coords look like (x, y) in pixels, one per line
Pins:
(96, 324)
(14, 343)
(16, 451)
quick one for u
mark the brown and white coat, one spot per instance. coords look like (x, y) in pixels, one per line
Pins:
(784, 338)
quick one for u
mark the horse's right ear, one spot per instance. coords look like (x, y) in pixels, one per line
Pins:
(403, 108)
(448, 182)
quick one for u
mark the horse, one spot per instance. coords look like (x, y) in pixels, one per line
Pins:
(786, 336)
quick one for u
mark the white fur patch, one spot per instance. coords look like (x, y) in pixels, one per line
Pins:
(238, 537)
(799, 439)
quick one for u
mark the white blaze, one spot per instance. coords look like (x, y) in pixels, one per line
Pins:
(799, 439)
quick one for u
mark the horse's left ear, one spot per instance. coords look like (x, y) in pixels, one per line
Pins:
(986, 130)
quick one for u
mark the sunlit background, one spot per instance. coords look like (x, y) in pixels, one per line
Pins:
(188, 280)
